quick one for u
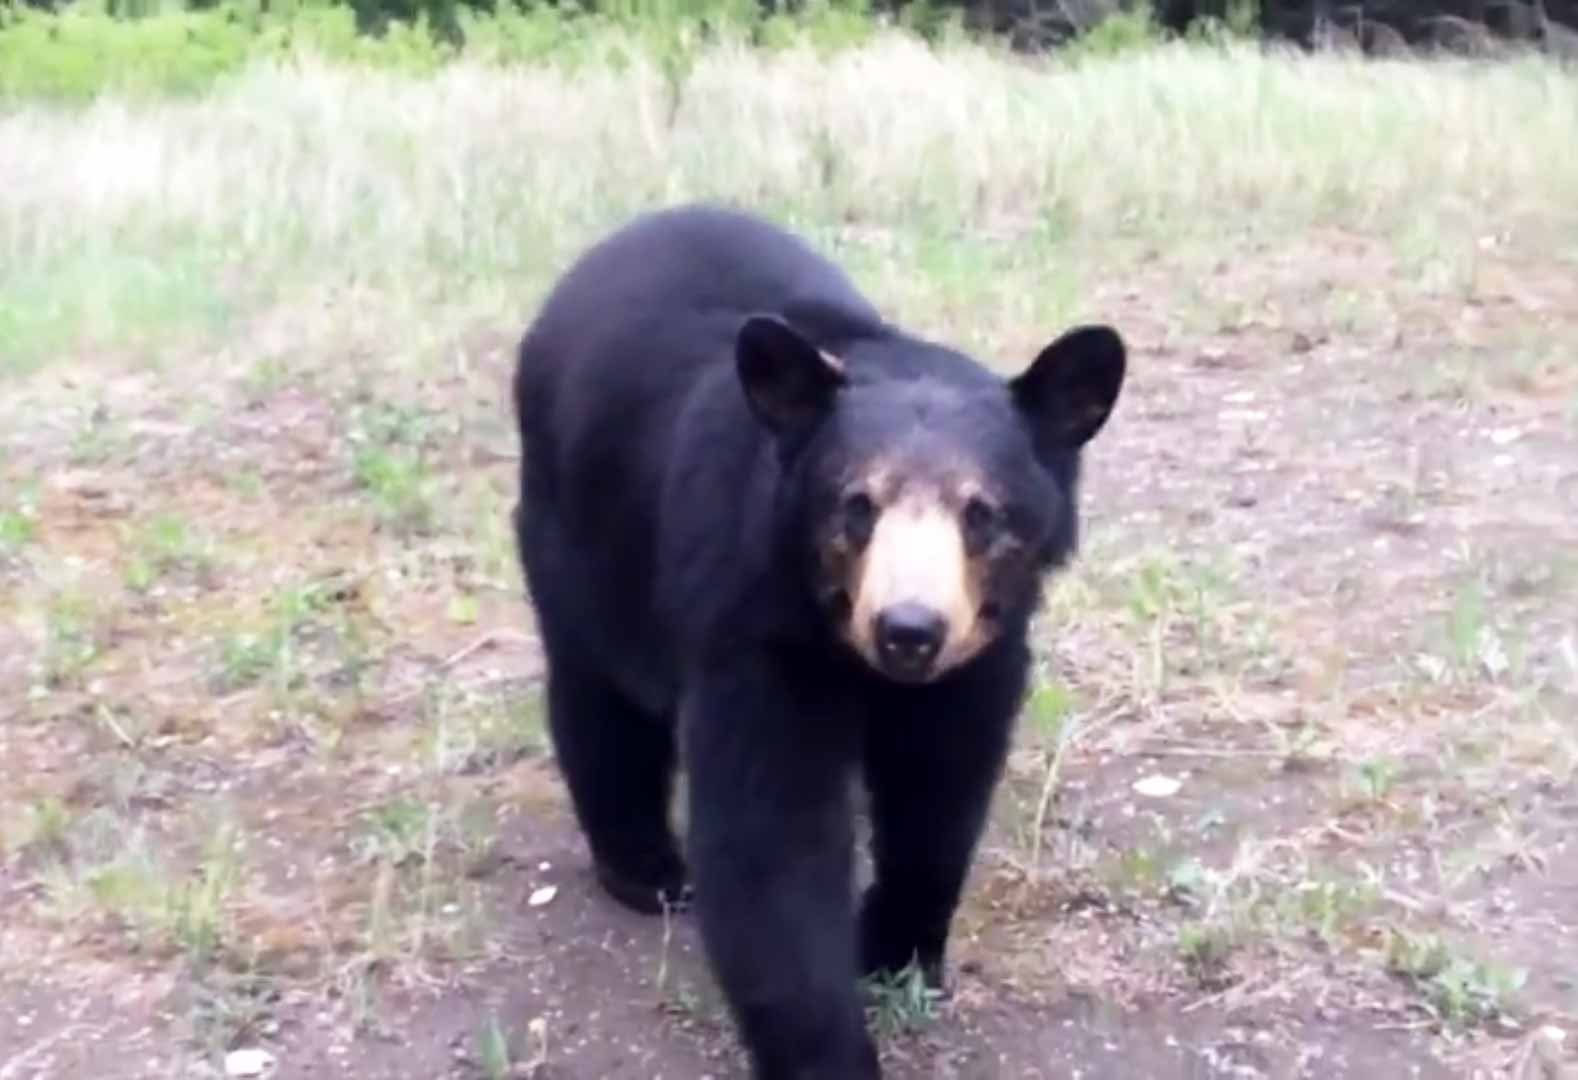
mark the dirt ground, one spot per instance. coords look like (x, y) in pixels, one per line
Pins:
(275, 773)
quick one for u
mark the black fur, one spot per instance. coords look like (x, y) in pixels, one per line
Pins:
(683, 442)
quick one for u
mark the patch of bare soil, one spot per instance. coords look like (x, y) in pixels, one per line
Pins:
(577, 988)
(1295, 798)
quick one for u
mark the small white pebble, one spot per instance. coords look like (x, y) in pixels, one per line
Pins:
(1158, 786)
(541, 896)
(253, 1061)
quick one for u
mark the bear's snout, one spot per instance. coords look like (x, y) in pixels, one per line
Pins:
(909, 636)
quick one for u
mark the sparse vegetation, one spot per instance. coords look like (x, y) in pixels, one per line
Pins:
(902, 1003)
(1458, 989)
(257, 313)
(71, 636)
(16, 528)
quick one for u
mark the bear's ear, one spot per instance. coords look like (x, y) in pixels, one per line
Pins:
(1067, 394)
(789, 382)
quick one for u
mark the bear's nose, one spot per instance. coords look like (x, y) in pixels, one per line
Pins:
(909, 636)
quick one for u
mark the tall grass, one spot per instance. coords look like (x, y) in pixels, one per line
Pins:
(304, 170)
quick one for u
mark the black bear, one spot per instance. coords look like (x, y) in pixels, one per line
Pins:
(773, 537)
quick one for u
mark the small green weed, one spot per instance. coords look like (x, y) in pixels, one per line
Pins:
(233, 1008)
(1188, 881)
(45, 829)
(195, 908)
(247, 657)
(163, 545)
(1135, 870)
(461, 609)
(902, 1002)
(1374, 777)
(421, 899)
(406, 832)
(1466, 626)
(1206, 949)
(247, 482)
(400, 487)
(18, 526)
(158, 903)
(1052, 721)
(98, 439)
(1460, 990)
(131, 884)
(1189, 617)
(394, 424)
(480, 735)
(71, 640)
(266, 376)
(398, 832)
(1327, 906)
(493, 1051)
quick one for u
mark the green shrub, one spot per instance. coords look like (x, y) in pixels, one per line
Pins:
(1119, 32)
(137, 48)
(79, 52)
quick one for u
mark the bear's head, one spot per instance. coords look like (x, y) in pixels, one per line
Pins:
(927, 494)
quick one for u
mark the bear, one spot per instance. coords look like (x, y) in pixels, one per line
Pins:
(779, 542)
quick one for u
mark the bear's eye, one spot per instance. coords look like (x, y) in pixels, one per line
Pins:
(980, 521)
(860, 516)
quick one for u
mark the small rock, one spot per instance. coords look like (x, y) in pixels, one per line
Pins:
(252, 1061)
(541, 896)
(1158, 786)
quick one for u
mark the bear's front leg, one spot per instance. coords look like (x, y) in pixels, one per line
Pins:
(933, 757)
(770, 760)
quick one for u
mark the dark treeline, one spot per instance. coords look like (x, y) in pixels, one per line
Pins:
(1377, 27)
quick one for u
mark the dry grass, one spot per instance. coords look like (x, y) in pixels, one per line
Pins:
(268, 686)
(479, 176)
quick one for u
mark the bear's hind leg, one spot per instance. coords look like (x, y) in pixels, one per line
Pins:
(618, 762)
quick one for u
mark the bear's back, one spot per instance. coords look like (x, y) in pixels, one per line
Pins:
(700, 259)
(644, 321)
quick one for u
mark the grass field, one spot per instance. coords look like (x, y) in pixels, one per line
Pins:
(270, 725)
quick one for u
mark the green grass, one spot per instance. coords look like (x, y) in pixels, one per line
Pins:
(92, 295)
